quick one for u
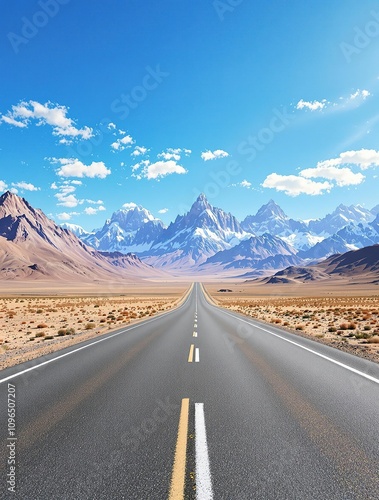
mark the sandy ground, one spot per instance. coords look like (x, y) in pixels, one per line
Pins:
(35, 325)
(344, 318)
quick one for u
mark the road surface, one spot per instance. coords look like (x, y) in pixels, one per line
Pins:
(196, 403)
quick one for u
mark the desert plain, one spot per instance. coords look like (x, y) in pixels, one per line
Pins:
(37, 319)
(339, 314)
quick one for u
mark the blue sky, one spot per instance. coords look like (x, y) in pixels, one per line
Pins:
(150, 102)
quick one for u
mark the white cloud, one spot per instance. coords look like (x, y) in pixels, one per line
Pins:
(26, 186)
(14, 190)
(90, 211)
(342, 176)
(363, 94)
(337, 172)
(311, 105)
(160, 169)
(11, 121)
(46, 114)
(77, 183)
(245, 184)
(174, 153)
(294, 185)
(364, 159)
(64, 216)
(3, 186)
(139, 150)
(54, 186)
(92, 202)
(352, 100)
(101, 208)
(72, 167)
(124, 143)
(163, 211)
(169, 156)
(65, 142)
(213, 155)
(68, 200)
(129, 206)
(111, 126)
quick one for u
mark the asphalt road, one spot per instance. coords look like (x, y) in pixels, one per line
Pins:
(248, 412)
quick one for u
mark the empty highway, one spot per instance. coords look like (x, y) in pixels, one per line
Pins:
(196, 403)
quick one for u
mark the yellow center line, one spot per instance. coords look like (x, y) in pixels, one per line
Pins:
(179, 469)
(190, 355)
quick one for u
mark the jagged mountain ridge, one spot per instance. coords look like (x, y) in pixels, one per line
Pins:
(34, 247)
(130, 229)
(253, 253)
(197, 236)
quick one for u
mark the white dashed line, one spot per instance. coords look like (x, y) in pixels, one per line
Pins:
(203, 474)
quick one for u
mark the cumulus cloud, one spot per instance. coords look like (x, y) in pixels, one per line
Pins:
(90, 211)
(174, 153)
(139, 150)
(26, 186)
(64, 216)
(156, 170)
(294, 185)
(120, 144)
(72, 167)
(161, 169)
(214, 155)
(3, 186)
(65, 194)
(364, 158)
(67, 200)
(163, 211)
(336, 172)
(111, 126)
(342, 176)
(22, 114)
(93, 211)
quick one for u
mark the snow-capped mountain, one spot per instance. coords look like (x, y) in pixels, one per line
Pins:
(74, 228)
(252, 252)
(271, 219)
(130, 229)
(351, 237)
(195, 236)
(341, 217)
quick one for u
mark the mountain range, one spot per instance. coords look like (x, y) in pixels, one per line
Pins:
(205, 240)
(208, 239)
(33, 247)
(354, 267)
